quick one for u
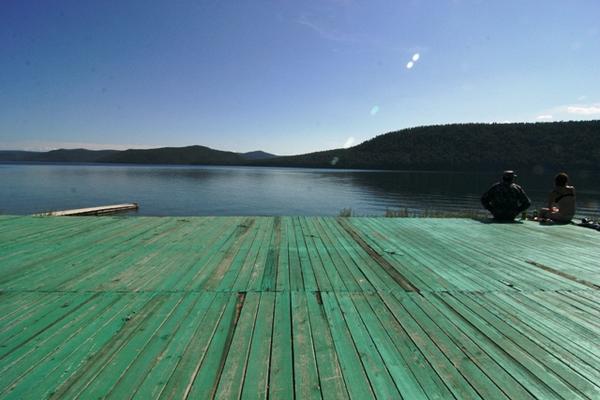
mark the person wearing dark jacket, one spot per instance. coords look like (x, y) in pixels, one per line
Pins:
(505, 199)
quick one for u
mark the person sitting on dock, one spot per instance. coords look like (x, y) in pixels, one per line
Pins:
(505, 199)
(561, 201)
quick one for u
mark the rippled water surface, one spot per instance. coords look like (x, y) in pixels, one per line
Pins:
(200, 190)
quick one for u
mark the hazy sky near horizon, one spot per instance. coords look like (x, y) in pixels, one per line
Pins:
(286, 77)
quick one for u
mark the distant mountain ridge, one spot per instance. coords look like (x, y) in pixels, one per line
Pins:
(258, 155)
(60, 155)
(163, 155)
(175, 155)
(475, 146)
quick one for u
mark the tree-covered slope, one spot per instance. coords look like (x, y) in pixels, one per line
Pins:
(467, 146)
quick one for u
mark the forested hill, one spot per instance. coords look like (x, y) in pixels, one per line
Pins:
(567, 145)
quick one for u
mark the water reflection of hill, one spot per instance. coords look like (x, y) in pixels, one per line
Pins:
(462, 190)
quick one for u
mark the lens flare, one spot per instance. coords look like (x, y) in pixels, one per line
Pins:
(349, 142)
(374, 110)
(410, 65)
(416, 57)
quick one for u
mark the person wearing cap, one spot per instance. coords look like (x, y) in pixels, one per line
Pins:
(505, 199)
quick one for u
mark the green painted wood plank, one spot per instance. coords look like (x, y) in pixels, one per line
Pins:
(16, 304)
(475, 354)
(397, 366)
(57, 363)
(373, 271)
(340, 249)
(199, 365)
(419, 365)
(589, 311)
(231, 273)
(258, 271)
(224, 248)
(311, 238)
(412, 268)
(34, 354)
(41, 320)
(129, 365)
(551, 361)
(70, 249)
(444, 259)
(579, 298)
(119, 266)
(234, 369)
(456, 383)
(79, 382)
(519, 355)
(513, 264)
(38, 232)
(308, 274)
(241, 282)
(205, 250)
(575, 358)
(153, 258)
(256, 381)
(174, 268)
(353, 370)
(296, 277)
(573, 315)
(306, 379)
(170, 357)
(283, 267)
(553, 317)
(327, 276)
(281, 373)
(269, 280)
(128, 374)
(331, 379)
(334, 260)
(143, 268)
(379, 376)
(512, 365)
(80, 257)
(17, 322)
(79, 352)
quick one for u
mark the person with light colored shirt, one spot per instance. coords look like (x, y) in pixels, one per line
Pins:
(561, 201)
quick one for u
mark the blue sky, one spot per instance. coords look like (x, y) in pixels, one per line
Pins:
(286, 77)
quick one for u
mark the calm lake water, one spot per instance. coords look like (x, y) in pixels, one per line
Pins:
(202, 190)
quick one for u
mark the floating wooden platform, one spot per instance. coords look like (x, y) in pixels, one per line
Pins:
(297, 307)
(100, 210)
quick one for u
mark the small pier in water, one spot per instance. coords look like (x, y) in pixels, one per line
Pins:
(100, 210)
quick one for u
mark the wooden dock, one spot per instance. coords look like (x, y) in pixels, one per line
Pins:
(100, 210)
(297, 307)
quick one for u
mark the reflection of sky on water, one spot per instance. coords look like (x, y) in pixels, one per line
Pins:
(196, 190)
